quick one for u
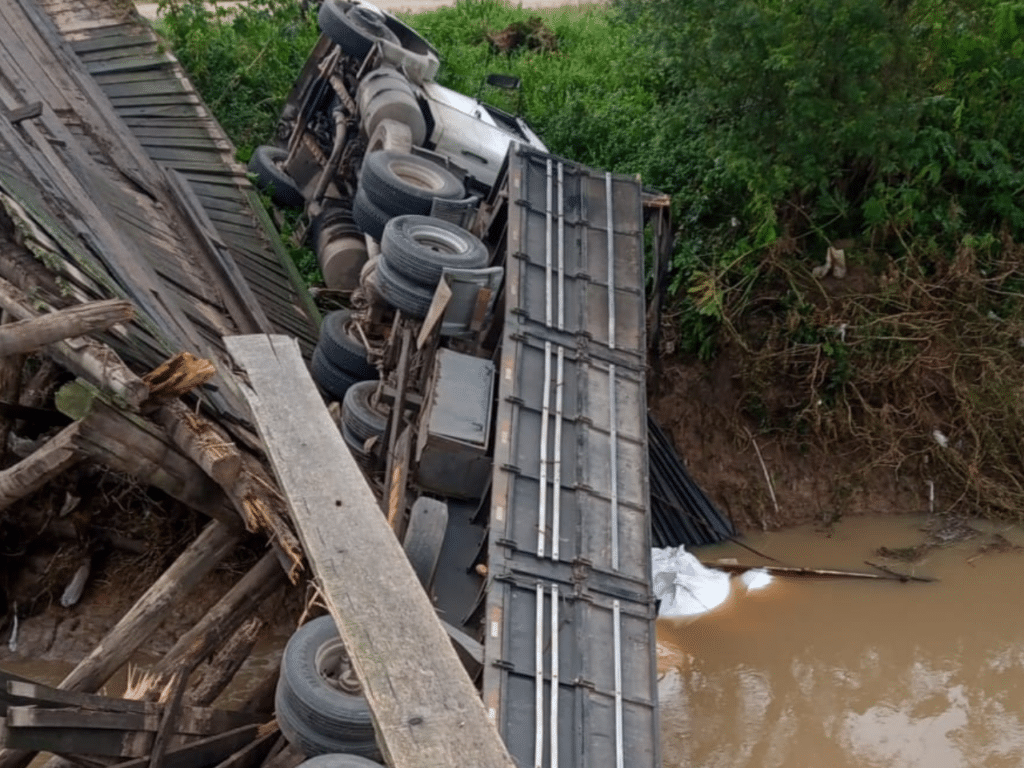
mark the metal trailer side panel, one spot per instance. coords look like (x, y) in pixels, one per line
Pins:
(570, 520)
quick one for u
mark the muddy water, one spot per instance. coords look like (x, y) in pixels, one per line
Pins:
(845, 674)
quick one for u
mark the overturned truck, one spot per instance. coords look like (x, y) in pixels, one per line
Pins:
(491, 378)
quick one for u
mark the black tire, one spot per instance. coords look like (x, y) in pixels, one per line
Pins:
(420, 247)
(338, 761)
(379, 81)
(272, 179)
(359, 416)
(399, 106)
(354, 28)
(333, 381)
(363, 457)
(402, 293)
(313, 741)
(402, 183)
(307, 694)
(428, 521)
(368, 216)
(346, 352)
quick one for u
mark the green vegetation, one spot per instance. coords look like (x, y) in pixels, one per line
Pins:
(888, 129)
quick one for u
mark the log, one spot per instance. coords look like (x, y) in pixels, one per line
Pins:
(135, 446)
(223, 619)
(41, 384)
(82, 356)
(10, 386)
(31, 334)
(251, 490)
(53, 459)
(215, 676)
(418, 691)
(202, 442)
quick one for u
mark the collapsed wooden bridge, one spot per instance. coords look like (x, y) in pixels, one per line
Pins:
(128, 234)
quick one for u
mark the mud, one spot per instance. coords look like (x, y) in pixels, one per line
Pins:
(849, 674)
(700, 406)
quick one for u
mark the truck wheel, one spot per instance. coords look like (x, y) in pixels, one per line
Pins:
(338, 761)
(354, 28)
(420, 247)
(379, 81)
(369, 217)
(396, 105)
(362, 419)
(402, 293)
(428, 521)
(333, 381)
(343, 349)
(311, 688)
(399, 183)
(312, 741)
(358, 448)
(271, 178)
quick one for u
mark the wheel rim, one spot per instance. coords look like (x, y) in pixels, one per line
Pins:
(416, 175)
(438, 241)
(335, 668)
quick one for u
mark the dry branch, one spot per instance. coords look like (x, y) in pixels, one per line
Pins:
(31, 334)
(58, 455)
(84, 357)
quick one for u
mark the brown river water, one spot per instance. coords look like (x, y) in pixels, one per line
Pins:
(852, 674)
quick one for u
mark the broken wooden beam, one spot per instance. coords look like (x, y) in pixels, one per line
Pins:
(28, 335)
(219, 623)
(137, 447)
(85, 357)
(214, 676)
(198, 439)
(417, 689)
(114, 650)
(53, 459)
(247, 485)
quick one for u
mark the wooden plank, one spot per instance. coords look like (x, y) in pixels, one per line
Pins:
(204, 752)
(144, 100)
(115, 36)
(88, 741)
(193, 721)
(252, 755)
(127, 64)
(107, 51)
(425, 708)
(162, 86)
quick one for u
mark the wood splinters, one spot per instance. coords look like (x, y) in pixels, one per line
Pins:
(178, 376)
